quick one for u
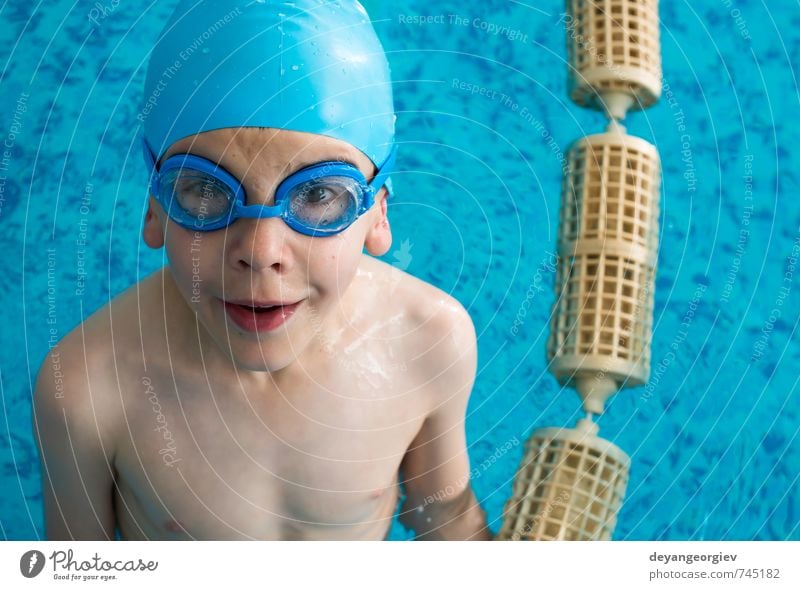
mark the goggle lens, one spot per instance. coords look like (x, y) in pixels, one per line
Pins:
(327, 204)
(200, 195)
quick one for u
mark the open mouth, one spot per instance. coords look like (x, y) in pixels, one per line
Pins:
(258, 309)
(260, 318)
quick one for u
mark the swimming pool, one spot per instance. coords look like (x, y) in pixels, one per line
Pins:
(713, 437)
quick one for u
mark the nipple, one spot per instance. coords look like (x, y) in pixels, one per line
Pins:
(174, 526)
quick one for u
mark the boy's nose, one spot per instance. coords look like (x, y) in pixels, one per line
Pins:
(259, 244)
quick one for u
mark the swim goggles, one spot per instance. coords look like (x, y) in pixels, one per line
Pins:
(321, 200)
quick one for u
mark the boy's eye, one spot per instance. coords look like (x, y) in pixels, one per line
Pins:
(322, 202)
(322, 194)
(201, 195)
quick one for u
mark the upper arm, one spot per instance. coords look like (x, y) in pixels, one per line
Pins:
(76, 451)
(436, 465)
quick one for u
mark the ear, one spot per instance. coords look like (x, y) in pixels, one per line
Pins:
(153, 231)
(379, 236)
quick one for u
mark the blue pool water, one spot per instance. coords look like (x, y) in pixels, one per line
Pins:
(714, 437)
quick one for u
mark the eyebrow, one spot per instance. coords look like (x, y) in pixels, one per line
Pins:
(292, 169)
(337, 158)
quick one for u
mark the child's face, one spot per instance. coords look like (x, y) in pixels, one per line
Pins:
(264, 260)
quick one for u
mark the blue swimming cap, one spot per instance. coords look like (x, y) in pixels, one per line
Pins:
(304, 65)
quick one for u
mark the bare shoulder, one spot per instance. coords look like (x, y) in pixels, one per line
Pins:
(433, 313)
(440, 339)
(81, 376)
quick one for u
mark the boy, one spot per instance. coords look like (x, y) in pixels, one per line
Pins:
(272, 381)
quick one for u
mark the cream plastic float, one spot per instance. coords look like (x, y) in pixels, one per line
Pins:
(569, 487)
(608, 243)
(614, 53)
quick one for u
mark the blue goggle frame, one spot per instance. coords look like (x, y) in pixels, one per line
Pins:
(282, 208)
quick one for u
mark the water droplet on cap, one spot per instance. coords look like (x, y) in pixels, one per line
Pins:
(295, 68)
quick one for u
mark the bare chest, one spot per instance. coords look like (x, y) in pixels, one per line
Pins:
(209, 462)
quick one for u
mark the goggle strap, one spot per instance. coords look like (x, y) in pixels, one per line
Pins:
(384, 171)
(150, 164)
